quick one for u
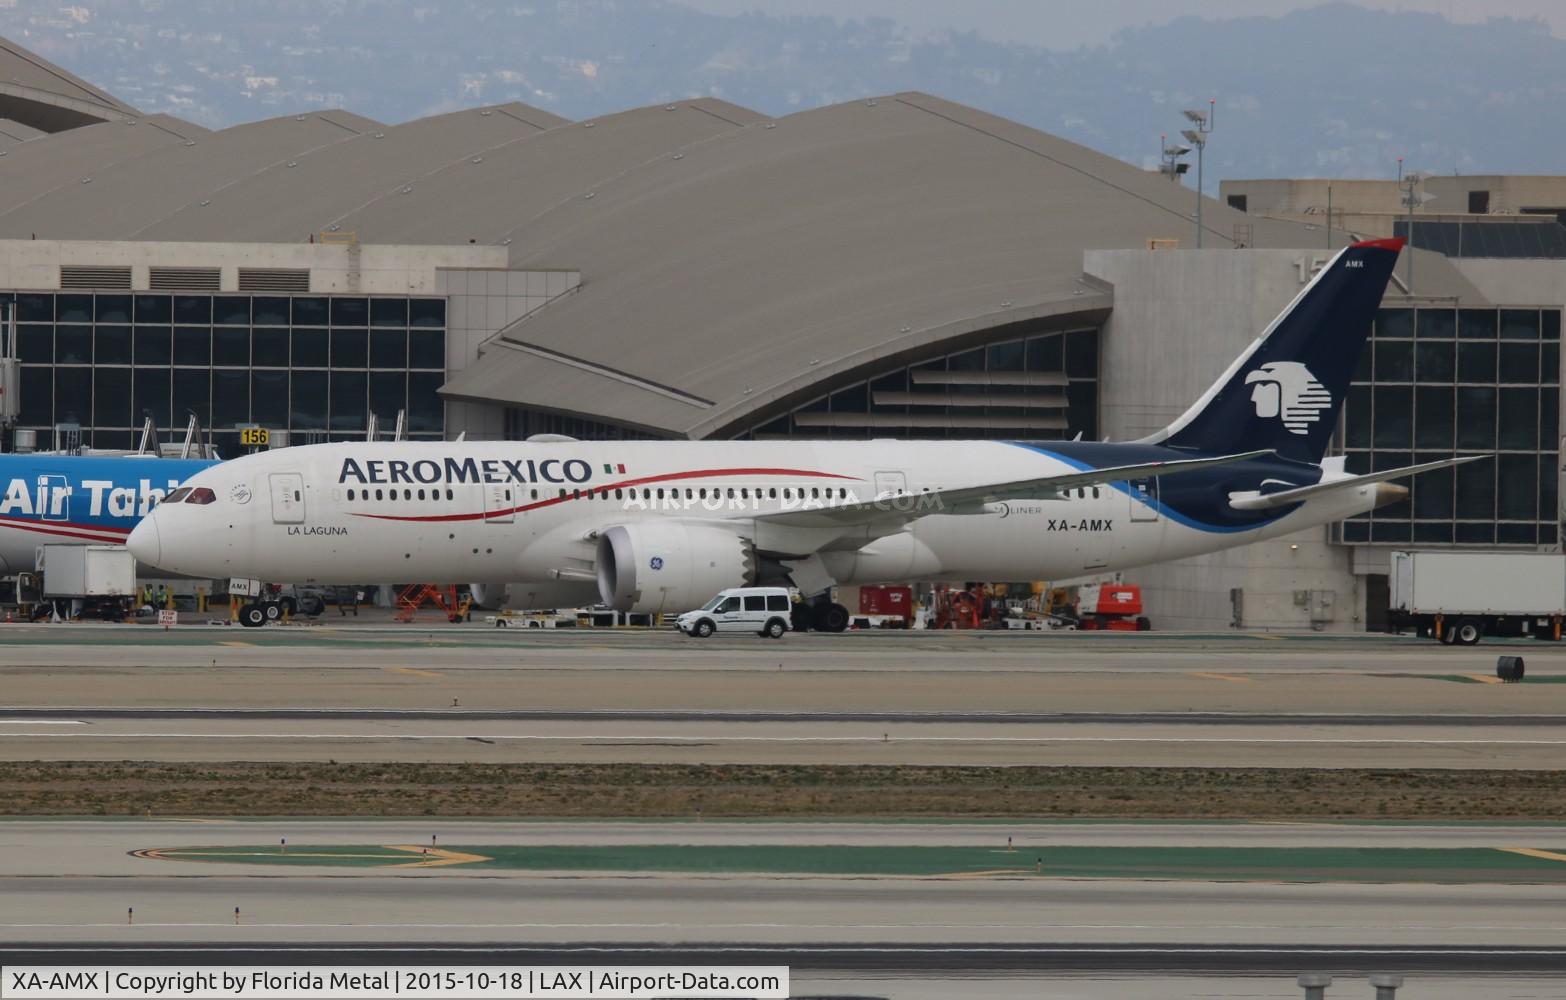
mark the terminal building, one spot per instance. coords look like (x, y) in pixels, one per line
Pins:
(894, 267)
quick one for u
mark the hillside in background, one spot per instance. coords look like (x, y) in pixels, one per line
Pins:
(1332, 91)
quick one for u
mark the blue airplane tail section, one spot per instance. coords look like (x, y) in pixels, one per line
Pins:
(1285, 392)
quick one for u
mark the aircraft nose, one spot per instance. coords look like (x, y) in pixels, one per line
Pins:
(145, 543)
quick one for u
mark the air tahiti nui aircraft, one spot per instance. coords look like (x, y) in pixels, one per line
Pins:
(664, 525)
(60, 499)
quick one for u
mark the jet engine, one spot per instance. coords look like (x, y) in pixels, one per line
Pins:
(670, 567)
(489, 596)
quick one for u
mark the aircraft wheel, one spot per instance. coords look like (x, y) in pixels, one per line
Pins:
(832, 618)
(273, 610)
(252, 616)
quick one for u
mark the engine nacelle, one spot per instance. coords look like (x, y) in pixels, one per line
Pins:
(659, 567)
(489, 596)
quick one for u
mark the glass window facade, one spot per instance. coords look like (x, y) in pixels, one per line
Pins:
(1040, 386)
(1437, 383)
(312, 365)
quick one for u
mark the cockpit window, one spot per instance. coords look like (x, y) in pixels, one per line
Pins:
(202, 495)
(177, 495)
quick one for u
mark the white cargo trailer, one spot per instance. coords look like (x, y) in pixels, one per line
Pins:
(1459, 597)
(87, 570)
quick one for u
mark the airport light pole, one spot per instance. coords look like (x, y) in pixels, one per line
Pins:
(1170, 165)
(1197, 136)
(1412, 198)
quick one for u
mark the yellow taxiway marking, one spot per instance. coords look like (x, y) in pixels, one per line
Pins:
(1221, 677)
(410, 671)
(1534, 852)
(425, 857)
(1485, 678)
(432, 857)
(177, 854)
(236, 643)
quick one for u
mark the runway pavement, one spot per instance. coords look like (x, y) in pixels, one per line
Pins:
(473, 694)
(477, 694)
(1149, 741)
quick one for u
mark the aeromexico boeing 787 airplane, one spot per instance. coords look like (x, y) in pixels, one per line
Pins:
(664, 525)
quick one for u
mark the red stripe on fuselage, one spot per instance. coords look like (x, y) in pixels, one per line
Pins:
(43, 529)
(587, 492)
(11, 519)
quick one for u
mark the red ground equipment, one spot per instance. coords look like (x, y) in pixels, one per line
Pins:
(1111, 607)
(958, 608)
(414, 596)
(887, 602)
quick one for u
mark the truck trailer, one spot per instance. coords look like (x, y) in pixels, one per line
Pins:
(1460, 597)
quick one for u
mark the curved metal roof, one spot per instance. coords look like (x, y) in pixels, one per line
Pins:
(289, 200)
(490, 200)
(36, 92)
(49, 163)
(722, 281)
(123, 197)
(13, 132)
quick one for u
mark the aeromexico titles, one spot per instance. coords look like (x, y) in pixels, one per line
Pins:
(664, 525)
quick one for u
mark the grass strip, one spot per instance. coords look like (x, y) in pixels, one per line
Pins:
(776, 791)
(1228, 863)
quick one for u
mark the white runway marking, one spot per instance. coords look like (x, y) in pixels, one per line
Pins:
(42, 722)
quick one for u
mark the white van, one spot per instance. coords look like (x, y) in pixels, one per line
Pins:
(760, 610)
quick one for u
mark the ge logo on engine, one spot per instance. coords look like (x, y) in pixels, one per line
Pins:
(656, 562)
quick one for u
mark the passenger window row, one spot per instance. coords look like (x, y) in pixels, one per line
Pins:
(713, 493)
(407, 494)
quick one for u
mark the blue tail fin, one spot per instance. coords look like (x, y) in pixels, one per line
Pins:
(1286, 391)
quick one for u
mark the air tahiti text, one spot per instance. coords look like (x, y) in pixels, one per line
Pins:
(51, 497)
(468, 470)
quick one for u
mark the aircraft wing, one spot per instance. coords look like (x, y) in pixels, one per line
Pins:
(971, 499)
(1283, 498)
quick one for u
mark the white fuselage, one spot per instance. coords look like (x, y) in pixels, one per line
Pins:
(504, 512)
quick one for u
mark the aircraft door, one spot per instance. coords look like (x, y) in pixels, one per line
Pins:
(500, 502)
(288, 503)
(1144, 499)
(54, 498)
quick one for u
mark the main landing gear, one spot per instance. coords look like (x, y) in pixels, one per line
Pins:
(823, 617)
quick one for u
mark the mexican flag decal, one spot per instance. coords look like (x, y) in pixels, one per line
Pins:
(611, 469)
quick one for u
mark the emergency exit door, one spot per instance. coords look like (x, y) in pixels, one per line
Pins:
(288, 504)
(500, 502)
(890, 484)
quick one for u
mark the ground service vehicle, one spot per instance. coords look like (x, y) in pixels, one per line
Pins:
(760, 610)
(655, 527)
(1459, 597)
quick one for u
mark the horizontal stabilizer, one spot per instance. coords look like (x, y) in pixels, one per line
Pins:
(1285, 498)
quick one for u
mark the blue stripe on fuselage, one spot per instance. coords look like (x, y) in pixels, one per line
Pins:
(1198, 500)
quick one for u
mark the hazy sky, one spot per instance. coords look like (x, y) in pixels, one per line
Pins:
(1053, 24)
